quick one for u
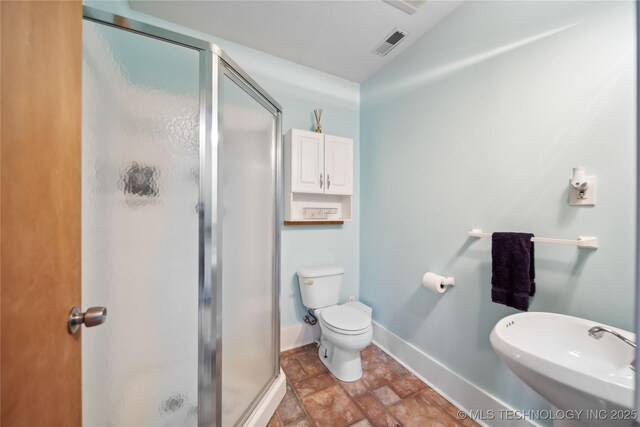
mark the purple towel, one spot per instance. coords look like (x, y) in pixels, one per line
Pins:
(513, 270)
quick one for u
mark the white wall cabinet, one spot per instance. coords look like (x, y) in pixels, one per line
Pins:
(307, 161)
(318, 177)
(338, 165)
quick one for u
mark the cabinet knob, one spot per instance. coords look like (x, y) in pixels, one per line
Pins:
(321, 181)
(328, 181)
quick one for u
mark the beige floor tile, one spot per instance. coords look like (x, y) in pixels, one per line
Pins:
(407, 386)
(375, 411)
(386, 396)
(332, 407)
(312, 385)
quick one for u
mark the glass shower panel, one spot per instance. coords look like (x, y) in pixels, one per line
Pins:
(140, 191)
(248, 195)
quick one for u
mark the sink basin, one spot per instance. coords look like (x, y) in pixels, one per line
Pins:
(555, 356)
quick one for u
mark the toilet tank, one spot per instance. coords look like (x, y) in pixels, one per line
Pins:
(320, 286)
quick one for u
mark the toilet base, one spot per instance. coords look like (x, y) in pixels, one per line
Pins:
(345, 365)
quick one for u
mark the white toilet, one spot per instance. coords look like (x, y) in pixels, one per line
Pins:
(345, 329)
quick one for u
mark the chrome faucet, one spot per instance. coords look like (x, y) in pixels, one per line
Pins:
(598, 331)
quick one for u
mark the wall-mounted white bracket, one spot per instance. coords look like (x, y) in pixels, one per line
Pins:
(590, 242)
(586, 197)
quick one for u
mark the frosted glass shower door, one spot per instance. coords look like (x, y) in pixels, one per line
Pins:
(248, 178)
(140, 229)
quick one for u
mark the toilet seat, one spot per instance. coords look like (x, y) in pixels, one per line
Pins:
(345, 320)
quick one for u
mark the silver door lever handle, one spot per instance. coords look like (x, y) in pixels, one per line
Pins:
(94, 316)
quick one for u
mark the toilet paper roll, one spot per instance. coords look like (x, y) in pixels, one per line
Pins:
(434, 282)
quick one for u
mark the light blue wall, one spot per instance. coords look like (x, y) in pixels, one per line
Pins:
(478, 124)
(299, 90)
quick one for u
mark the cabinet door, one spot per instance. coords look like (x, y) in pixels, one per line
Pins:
(338, 165)
(307, 162)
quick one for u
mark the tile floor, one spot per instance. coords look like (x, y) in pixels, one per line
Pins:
(386, 395)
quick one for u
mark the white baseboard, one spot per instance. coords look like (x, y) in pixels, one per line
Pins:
(297, 336)
(264, 411)
(457, 390)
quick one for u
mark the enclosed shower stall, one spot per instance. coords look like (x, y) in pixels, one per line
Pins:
(180, 219)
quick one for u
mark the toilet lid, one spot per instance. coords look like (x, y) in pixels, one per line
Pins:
(346, 318)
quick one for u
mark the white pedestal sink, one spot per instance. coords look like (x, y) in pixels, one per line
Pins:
(556, 357)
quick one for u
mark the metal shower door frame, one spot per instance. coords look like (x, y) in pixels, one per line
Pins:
(214, 66)
(230, 71)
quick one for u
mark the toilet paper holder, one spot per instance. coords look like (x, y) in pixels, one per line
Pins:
(449, 281)
(436, 282)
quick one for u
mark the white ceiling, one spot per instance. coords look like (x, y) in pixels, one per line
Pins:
(333, 36)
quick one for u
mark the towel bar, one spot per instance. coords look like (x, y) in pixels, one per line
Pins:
(587, 242)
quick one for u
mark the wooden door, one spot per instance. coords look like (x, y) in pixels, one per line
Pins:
(41, 48)
(338, 165)
(307, 162)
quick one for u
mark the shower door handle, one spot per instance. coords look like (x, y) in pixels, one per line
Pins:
(94, 316)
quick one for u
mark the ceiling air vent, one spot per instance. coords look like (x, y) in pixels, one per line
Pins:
(391, 41)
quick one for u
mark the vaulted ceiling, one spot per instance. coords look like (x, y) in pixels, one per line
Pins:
(333, 36)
